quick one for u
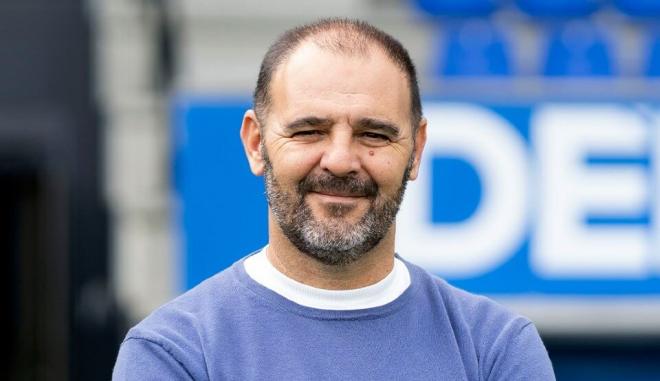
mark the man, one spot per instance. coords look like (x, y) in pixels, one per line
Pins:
(337, 131)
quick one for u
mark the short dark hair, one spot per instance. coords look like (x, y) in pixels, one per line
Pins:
(341, 35)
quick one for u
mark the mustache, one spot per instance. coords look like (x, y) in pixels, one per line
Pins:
(345, 186)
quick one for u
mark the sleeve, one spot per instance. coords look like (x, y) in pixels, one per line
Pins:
(144, 360)
(521, 356)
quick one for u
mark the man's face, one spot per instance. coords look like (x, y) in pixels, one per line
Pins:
(338, 150)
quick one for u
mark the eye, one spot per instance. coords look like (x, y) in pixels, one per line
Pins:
(306, 133)
(374, 136)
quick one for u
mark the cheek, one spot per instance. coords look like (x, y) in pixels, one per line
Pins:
(295, 166)
(385, 171)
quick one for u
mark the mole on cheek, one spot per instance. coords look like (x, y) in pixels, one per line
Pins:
(371, 153)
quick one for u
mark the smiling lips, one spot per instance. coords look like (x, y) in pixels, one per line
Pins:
(339, 197)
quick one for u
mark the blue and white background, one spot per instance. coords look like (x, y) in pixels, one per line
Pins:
(550, 198)
(540, 185)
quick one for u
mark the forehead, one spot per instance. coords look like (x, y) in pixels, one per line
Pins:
(326, 83)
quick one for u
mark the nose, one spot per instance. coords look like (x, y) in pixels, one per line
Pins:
(340, 156)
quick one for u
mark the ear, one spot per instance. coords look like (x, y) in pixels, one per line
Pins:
(420, 143)
(252, 140)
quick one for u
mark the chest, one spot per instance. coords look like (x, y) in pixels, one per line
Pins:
(398, 347)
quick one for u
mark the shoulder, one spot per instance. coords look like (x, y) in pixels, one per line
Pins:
(506, 344)
(469, 308)
(190, 308)
(171, 339)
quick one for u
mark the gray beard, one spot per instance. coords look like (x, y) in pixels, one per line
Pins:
(333, 241)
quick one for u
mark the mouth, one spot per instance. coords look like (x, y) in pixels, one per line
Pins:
(337, 196)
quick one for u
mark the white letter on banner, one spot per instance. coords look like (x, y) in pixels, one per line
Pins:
(655, 189)
(491, 235)
(569, 190)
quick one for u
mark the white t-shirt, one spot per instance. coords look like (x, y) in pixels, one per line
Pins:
(259, 268)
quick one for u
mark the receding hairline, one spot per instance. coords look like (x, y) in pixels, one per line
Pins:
(340, 36)
(335, 39)
(368, 51)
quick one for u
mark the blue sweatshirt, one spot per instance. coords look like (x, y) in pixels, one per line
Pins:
(232, 328)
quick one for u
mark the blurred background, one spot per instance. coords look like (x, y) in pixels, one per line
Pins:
(124, 184)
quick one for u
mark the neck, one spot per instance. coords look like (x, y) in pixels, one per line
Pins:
(372, 267)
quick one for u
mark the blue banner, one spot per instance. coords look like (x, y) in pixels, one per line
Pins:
(528, 199)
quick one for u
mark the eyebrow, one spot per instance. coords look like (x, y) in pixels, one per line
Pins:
(374, 124)
(308, 121)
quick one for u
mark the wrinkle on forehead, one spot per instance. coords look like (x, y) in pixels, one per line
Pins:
(368, 55)
(364, 84)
